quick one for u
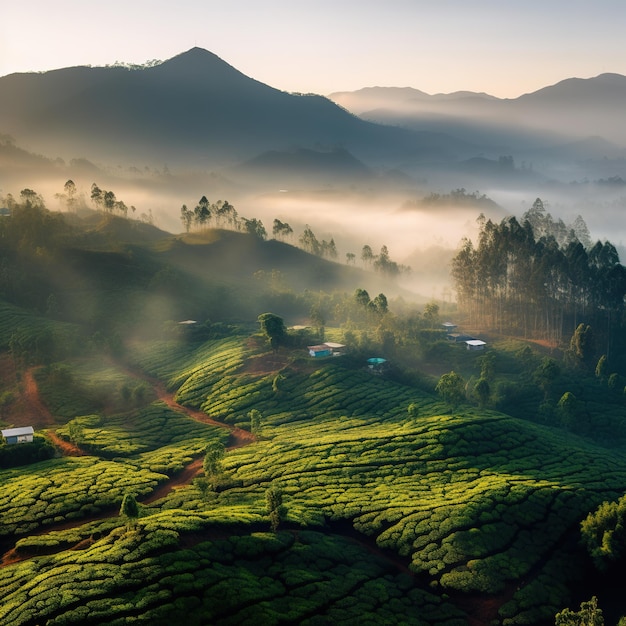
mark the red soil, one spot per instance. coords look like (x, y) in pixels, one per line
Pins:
(29, 410)
(26, 409)
(66, 448)
(181, 479)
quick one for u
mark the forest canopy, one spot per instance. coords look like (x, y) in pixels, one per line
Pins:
(536, 279)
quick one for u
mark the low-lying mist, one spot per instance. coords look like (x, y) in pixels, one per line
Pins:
(418, 234)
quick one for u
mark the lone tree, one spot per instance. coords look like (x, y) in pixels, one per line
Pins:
(273, 327)
(255, 422)
(482, 391)
(274, 505)
(129, 509)
(603, 533)
(76, 432)
(212, 464)
(545, 375)
(581, 345)
(568, 409)
(367, 255)
(589, 615)
(186, 217)
(451, 387)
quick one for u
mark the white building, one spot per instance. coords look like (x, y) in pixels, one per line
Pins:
(18, 435)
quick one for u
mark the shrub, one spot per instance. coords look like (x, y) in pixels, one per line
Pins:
(15, 455)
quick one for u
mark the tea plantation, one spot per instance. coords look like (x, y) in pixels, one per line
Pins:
(385, 515)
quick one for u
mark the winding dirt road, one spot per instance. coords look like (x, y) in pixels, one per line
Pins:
(37, 414)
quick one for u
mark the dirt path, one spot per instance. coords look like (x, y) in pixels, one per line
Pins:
(66, 448)
(40, 415)
(183, 478)
(239, 437)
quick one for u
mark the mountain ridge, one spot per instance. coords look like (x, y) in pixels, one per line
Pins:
(573, 107)
(193, 108)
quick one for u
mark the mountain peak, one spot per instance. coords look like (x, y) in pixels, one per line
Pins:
(197, 59)
(196, 53)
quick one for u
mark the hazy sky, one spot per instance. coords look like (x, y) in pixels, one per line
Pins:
(502, 47)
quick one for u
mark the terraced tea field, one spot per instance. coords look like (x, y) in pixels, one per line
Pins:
(386, 516)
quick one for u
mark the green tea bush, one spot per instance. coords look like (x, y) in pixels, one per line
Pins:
(15, 455)
(148, 429)
(64, 486)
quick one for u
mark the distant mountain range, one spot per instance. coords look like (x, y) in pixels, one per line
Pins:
(197, 112)
(573, 109)
(193, 109)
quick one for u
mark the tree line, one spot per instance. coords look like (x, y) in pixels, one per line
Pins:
(204, 215)
(222, 214)
(537, 279)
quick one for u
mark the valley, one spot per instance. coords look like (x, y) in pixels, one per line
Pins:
(383, 383)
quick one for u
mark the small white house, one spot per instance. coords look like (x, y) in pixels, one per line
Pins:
(18, 435)
(476, 344)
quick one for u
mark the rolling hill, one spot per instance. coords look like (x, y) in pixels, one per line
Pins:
(361, 495)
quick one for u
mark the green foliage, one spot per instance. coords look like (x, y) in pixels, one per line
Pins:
(274, 505)
(431, 314)
(255, 227)
(75, 388)
(589, 615)
(68, 488)
(129, 508)
(149, 429)
(451, 388)
(581, 345)
(545, 375)
(604, 533)
(273, 327)
(256, 417)
(25, 453)
(534, 277)
(482, 391)
(568, 409)
(246, 578)
(614, 381)
(472, 500)
(488, 366)
(34, 339)
(212, 463)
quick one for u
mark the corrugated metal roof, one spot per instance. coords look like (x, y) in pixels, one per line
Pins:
(16, 432)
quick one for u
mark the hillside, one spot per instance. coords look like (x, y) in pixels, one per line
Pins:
(437, 516)
(356, 492)
(572, 109)
(97, 262)
(567, 132)
(192, 110)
